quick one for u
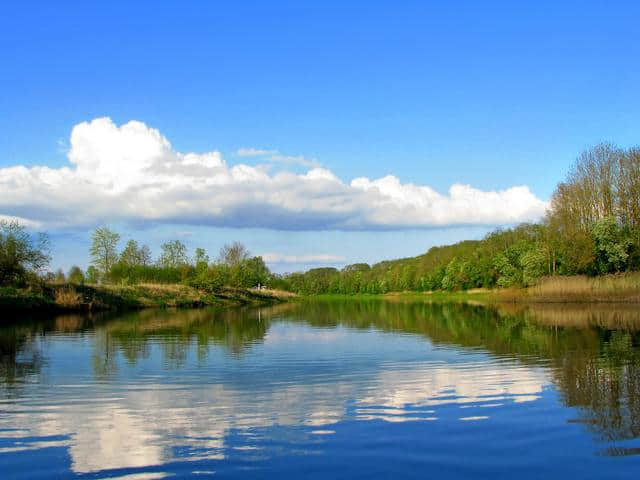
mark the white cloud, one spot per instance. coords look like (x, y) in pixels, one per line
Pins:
(294, 160)
(279, 258)
(23, 221)
(274, 156)
(254, 152)
(132, 173)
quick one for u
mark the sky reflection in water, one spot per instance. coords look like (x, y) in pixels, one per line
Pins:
(321, 389)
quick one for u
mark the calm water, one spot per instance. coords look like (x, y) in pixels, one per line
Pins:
(335, 389)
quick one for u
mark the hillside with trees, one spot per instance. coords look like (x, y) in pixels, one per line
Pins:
(592, 228)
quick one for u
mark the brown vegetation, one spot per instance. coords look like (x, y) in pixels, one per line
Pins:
(623, 287)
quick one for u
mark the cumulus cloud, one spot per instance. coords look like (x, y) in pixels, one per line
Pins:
(132, 173)
(323, 258)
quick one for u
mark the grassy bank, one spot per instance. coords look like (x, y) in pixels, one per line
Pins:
(477, 294)
(73, 298)
(619, 288)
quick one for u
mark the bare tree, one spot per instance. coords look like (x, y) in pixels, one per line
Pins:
(232, 255)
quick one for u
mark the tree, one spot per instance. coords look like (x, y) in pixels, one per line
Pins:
(174, 254)
(60, 277)
(232, 255)
(20, 252)
(508, 275)
(145, 256)
(452, 275)
(612, 246)
(76, 275)
(201, 258)
(257, 272)
(534, 265)
(131, 254)
(104, 244)
(92, 275)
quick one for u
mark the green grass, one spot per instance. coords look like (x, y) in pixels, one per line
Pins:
(71, 297)
(619, 288)
(438, 296)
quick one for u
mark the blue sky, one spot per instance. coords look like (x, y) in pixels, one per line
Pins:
(493, 95)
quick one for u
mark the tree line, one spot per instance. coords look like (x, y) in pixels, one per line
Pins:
(234, 266)
(591, 227)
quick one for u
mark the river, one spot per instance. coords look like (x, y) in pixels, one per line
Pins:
(324, 389)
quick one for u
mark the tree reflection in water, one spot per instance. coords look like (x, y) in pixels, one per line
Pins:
(592, 352)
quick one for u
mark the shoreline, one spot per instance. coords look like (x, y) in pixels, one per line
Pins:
(74, 298)
(78, 298)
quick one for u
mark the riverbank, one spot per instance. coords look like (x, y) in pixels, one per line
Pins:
(69, 297)
(618, 288)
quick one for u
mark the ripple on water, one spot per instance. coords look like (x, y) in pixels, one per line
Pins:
(192, 397)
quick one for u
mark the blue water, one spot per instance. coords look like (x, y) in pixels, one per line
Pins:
(319, 390)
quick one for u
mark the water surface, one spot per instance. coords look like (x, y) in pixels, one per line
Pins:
(324, 389)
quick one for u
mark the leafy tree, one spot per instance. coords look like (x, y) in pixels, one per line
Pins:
(76, 275)
(612, 246)
(131, 254)
(508, 275)
(20, 252)
(201, 259)
(534, 265)
(452, 279)
(212, 279)
(104, 254)
(174, 254)
(92, 275)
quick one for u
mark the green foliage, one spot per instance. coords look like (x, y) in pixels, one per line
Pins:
(534, 266)
(92, 275)
(133, 274)
(131, 254)
(20, 253)
(201, 259)
(76, 275)
(211, 279)
(174, 255)
(612, 246)
(453, 276)
(250, 273)
(59, 276)
(104, 254)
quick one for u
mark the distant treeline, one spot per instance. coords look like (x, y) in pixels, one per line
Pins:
(234, 267)
(592, 227)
